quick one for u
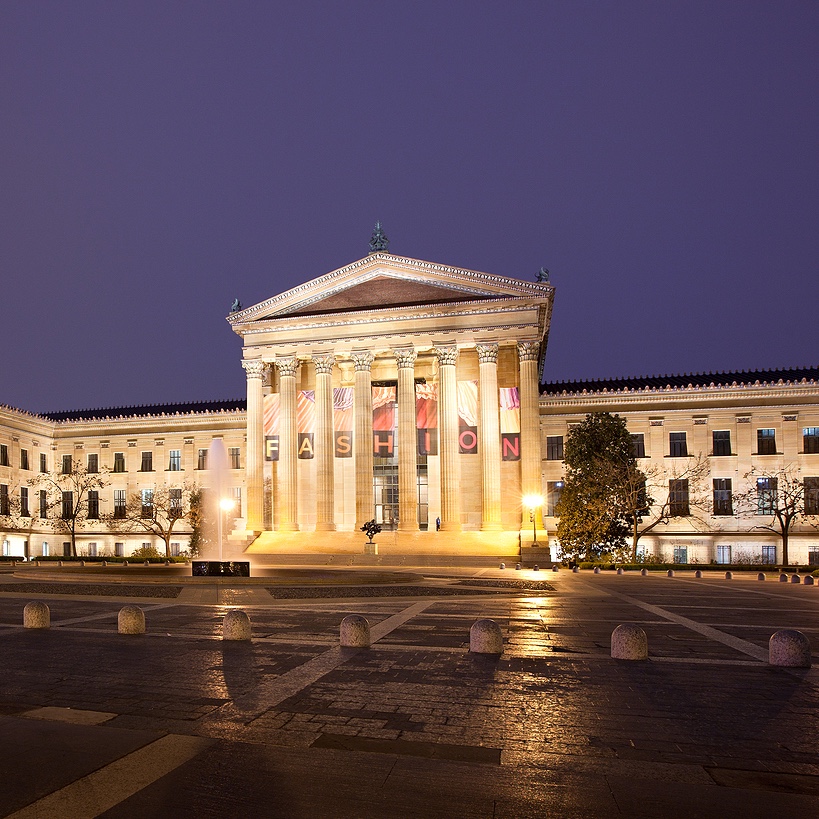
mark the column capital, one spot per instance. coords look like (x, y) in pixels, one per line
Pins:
(405, 356)
(363, 359)
(254, 368)
(324, 363)
(487, 353)
(447, 355)
(287, 365)
(528, 350)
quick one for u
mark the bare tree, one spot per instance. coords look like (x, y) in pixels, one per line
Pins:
(783, 496)
(156, 511)
(73, 498)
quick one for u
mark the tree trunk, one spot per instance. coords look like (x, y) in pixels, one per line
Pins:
(785, 559)
(634, 540)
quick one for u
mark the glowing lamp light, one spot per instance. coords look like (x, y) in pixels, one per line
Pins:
(226, 504)
(533, 502)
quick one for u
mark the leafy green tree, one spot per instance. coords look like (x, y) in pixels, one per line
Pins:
(595, 509)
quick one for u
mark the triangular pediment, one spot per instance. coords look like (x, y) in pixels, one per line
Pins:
(381, 282)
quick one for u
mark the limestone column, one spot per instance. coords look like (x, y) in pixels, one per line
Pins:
(323, 439)
(288, 442)
(530, 482)
(448, 439)
(407, 442)
(363, 437)
(489, 438)
(254, 458)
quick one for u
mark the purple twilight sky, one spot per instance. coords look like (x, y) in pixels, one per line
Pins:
(159, 159)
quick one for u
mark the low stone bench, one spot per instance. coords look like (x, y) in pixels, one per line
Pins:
(131, 620)
(236, 625)
(789, 648)
(36, 615)
(355, 632)
(485, 637)
(629, 642)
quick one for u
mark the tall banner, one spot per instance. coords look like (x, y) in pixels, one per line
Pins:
(343, 421)
(468, 417)
(384, 422)
(426, 418)
(305, 423)
(271, 407)
(510, 423)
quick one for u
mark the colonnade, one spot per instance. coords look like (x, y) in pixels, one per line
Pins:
(286, 490)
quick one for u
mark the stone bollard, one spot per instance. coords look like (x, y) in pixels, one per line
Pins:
(535, 568)
(698, 573)
(485, 637)
(597, 570)
(131, 620)
(125, 563)
(783, 578)
(575, 569)
(517, 567)
(167, 562)
(760, 576)
(104, 562)
(620, 571)
(808, 581)
(355, 632)
(236, 625)
(37, 563)
(629, 642)
(789, 648)
(555, 568)
(643, 572)
(729, 575)
(502, 565)
(60, 563)
(670, 573)
(36, 615)
(82, 564)
(795, 578)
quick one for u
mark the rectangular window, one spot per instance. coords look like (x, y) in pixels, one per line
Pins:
(93, 504)
(813, 555)
(553, 490)
(678, 498)
(68, 505)
(4, 499)
(724, 553)
(119, 550)
(94, 463)
(235, 457)
(766, 495)
(810, 440)
(45, 549)
(812, 496)
(92, 550)
(766, 442)
(722, 442)
(202, 459)
(24, 502)
(174, 549)
(4, 455)
(24, 459)
(147, 462)
(43, 498)
(175, 502)
(147, 503)
(769, 553)
(66, 465)
(723, 497)
(175, 460)
(681, 554)
(119, 462)
(554, 447)
(119, 504)
(638, 445)
(236, 496)
(677, 445)
(43, 462)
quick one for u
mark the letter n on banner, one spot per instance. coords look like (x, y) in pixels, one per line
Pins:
(426, 418)
(468, 417)
(343, 421)
(271, 407)
(510, 423)
(305, 423)
(383, 422)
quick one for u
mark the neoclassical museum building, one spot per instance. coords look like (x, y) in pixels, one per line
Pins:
(414, 394)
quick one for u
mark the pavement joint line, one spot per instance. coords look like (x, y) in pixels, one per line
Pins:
(737, 643)
(102, 790)
(272, 692)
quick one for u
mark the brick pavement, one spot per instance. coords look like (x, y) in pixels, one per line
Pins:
(418, 726)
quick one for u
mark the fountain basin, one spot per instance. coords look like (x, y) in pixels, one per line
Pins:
(221, 568)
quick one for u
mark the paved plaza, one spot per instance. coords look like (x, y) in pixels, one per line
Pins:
(179, 723)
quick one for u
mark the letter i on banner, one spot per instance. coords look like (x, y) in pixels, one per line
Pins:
(343, 421)
(510, 423)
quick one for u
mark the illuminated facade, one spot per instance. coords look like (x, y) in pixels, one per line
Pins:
(413, 393)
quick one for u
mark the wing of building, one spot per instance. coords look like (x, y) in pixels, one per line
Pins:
(416, 395)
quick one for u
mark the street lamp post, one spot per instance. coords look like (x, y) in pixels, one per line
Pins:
(534, 502)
